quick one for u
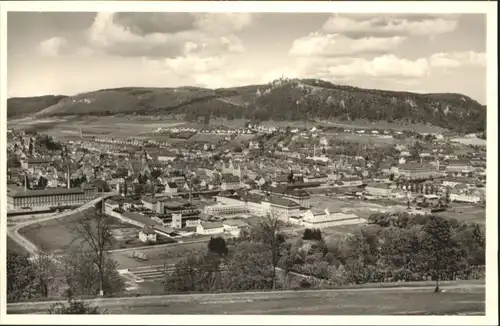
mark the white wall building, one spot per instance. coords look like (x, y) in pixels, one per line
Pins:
(210, 228)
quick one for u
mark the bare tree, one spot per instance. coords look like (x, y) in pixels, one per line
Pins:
(96, 232)
(46, 271)
(267, 232)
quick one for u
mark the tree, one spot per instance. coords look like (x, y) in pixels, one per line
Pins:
(194, 274)
(156, 173)
(312, 234)
(250, 267)
(81, 275)
(439, 247)
(96, 232)
(73, 307)
(21, 277)
(267, 232)
(46, 270)
(42, 182)
(218, 245)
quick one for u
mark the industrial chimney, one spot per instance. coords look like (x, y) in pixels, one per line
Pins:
(69, 179)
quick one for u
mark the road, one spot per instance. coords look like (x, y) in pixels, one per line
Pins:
(31, 248)
(463, 298)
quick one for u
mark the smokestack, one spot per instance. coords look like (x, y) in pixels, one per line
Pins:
(25, 182)
(69, 180)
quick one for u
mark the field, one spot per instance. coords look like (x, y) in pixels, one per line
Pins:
(470, 141)
(157, 255)
(465, 213)
(59, 235)
(365, 139)
(98, 126)
(361, 124)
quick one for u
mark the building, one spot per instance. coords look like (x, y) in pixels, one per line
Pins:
(170, 188)
(33, 164)
(459, 168)
(319, 178)
(349, 182)
(230, 182)
(299, 196)
(18, 198)
(110, 205)
(222, 209)
(313, 219)
(210, 228)
(283, 208)
(323, 141)
(178, 221)
(380, 189)
(234, 227)
(417, 171)
(147, 234)
(464, 198)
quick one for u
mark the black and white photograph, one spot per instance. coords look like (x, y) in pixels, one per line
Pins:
(228, 159)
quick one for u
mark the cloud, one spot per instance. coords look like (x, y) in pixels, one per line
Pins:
(228, 78)
(407, 24)
(383, 66)
(191, 65)
(458, 59)
(144, 23)
(317, 44)
(386, 66)
(52, 47)
(223, 22)
(167, 34)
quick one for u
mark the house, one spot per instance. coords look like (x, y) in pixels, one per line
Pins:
(319, 178)
(316, 219)
(459, 168)
(230, 182)
(170, 187)
(234, 227)
(350, 182)
(463, 197)
(416, 171)
(147, 234)
(253, 144)
(283, 208)
(33, 164)
(208, 228)
(323, 141)
(425, 154)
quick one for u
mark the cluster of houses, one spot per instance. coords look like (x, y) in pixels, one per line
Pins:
(170, 218)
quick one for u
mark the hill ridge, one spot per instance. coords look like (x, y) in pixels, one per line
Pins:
(280, 99)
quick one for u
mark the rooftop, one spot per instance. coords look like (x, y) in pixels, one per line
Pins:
(20, 192)
(235, 222)
(211, 225)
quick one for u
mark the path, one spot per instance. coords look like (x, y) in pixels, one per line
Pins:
(31, 248)
(457, 298)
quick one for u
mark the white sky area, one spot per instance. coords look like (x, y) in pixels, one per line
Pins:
(70, 53)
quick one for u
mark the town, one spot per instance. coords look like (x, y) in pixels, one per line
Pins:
(248, 162)
(164, 192)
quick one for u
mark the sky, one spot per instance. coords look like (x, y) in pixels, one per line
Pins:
(74, 52)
